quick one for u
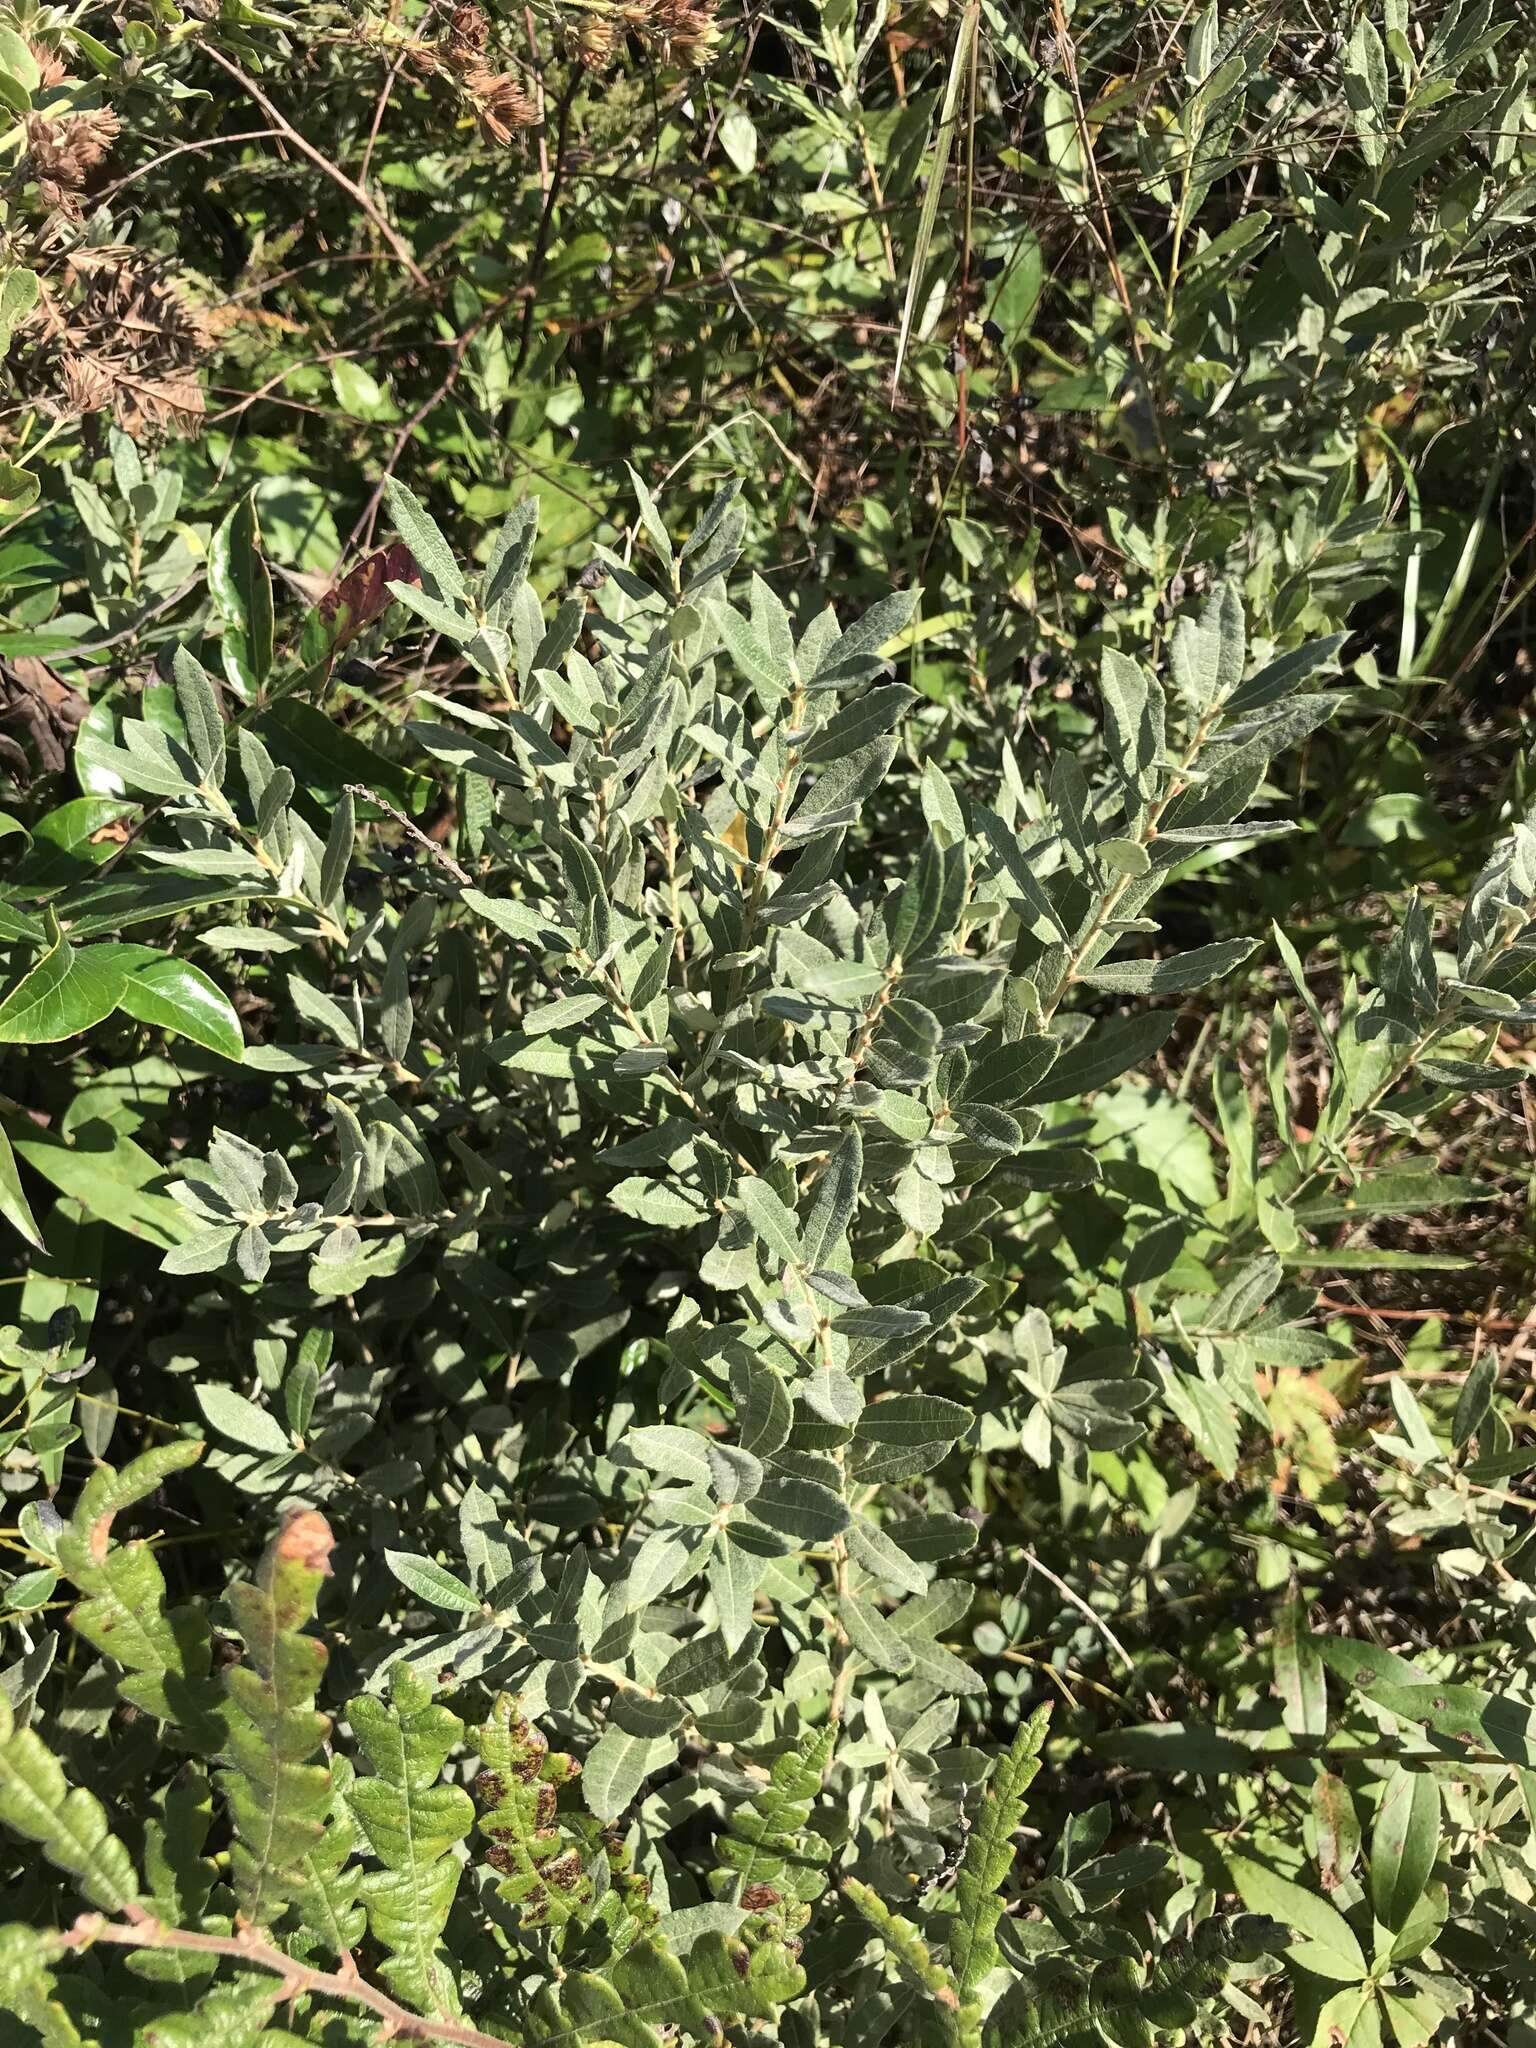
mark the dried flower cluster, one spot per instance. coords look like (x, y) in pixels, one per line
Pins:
(679, 31)
(64, 149)
(462, 55)
(116, 331)
(499, 102)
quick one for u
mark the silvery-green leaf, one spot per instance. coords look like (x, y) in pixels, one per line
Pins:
(733, 1576)
(771, 1220)
(432, 1582)
(1175, 975)
(764, 1411)
(704, 1663)
(832, 1395)
(884, 1558)
(675, 1453)
(618, 1765)
(199, 706)
(802, 1508)
(873, 1636)
(416, 527)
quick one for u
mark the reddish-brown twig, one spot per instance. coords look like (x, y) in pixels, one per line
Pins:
(142, 1931)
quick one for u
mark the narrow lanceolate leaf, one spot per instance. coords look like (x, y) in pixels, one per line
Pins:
(1108, 1050)
(1133, 721)
(834, 1201)
(440, 573)
(1299, 1672)
(338, 850)
(68, 1825)
(277, 1794)
(14, 1206)
(949, 113)
(989, 1854)
(772, 1220)
(198, 703)
(618, 1764)
(1404, 1844)
(241, 589)
(412, 1822)
(1174, 976)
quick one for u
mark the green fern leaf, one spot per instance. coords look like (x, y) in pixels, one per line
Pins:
(541, 1865)
(989, 1856)
(277, 1796)
(165, 1652)
(912, 1956)
(27, 1987)
(180, 1877)
(412, 1823)
(767, 1853)
(107, 1493)
(69, 1826)
(649, 1988)
(330, 1914)
(233, 2015)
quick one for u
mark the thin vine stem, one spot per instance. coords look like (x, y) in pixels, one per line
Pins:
(143, 1931)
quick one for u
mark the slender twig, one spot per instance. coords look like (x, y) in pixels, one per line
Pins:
(299, 1980)
(1103, 229)
(1328, 1307)
(438, 853)
(540, 255)
(538, 96)
(182, 149)
(378, 121)
(321, 161)
(1073, 1599)
(363, 529)
(134, 626)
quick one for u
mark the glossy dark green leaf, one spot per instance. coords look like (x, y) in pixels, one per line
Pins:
(178, 998)
(241, 588)
(66, 991)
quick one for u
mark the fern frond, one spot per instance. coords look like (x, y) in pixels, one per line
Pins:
(989, 1856)
(411, 1822)
(232, 2015)
(68, 1824)
(108, 1493)
(330, 1912)
(541, 1867)
(180, 1878)
(165, 1652)
(27, 1987)
(277, 1796)
(767, 1853)
(649, 1988)
(911, 1954)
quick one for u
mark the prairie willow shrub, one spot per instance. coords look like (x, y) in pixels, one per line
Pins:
(728, 1021)
(540, 1931)
(708, 1060)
